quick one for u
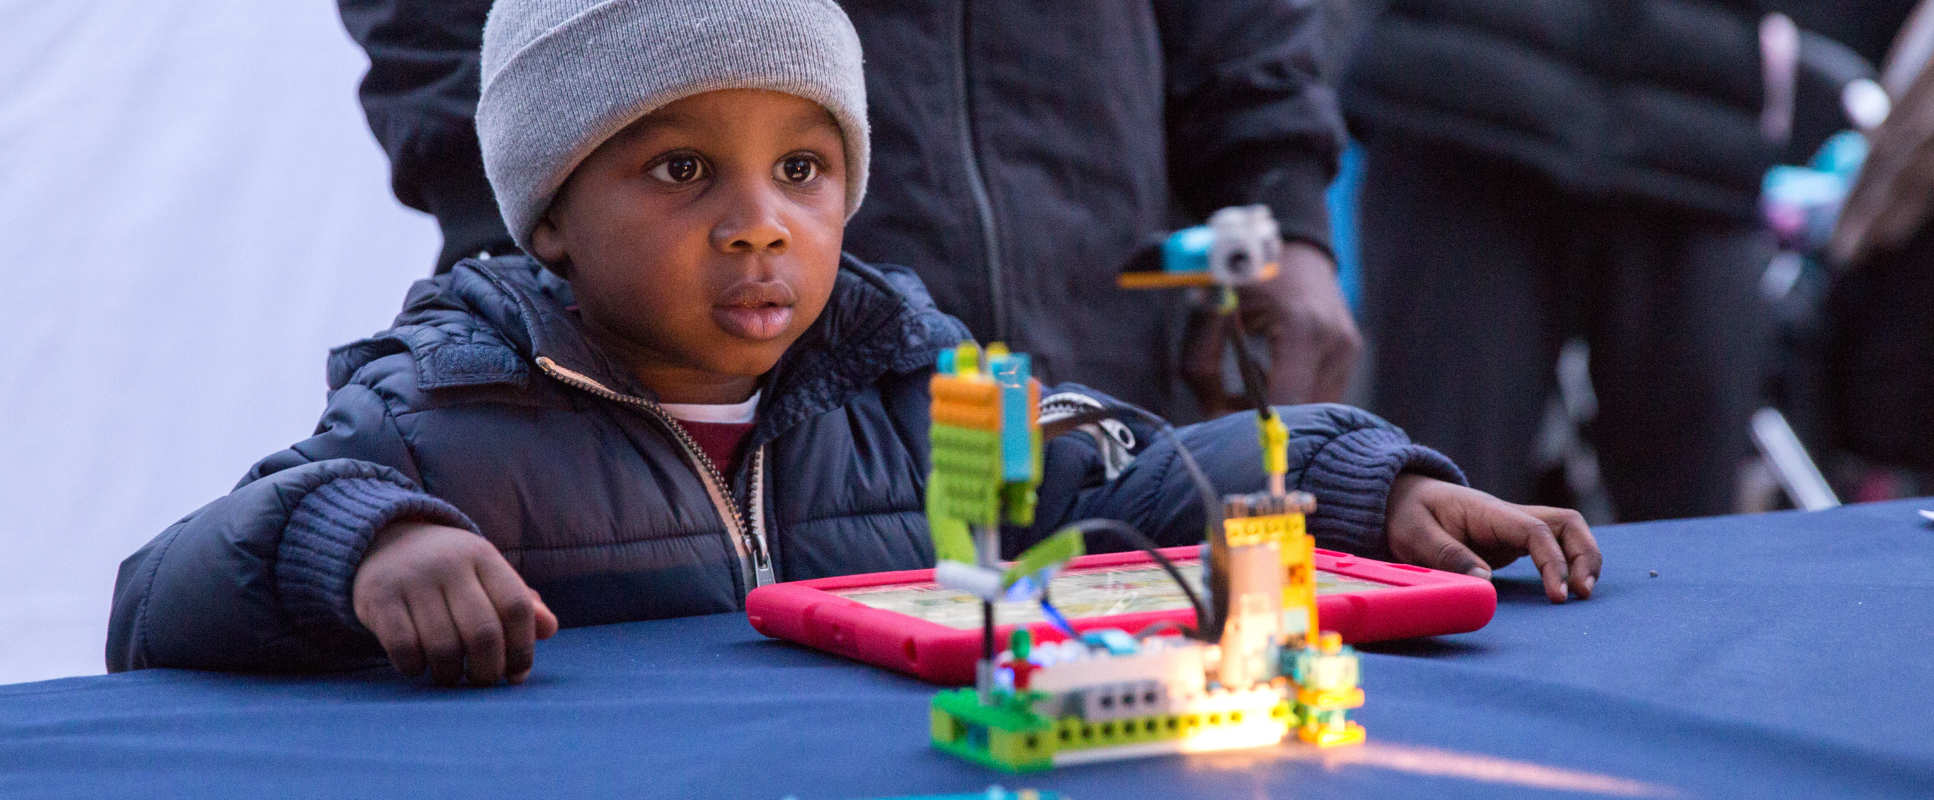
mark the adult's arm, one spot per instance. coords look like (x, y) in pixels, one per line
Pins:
(1250, 117)
(420, 96)
(1251, 120)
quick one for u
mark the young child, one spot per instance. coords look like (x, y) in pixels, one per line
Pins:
(687, 393)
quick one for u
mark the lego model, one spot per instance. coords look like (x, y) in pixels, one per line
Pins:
(995, 792)
(1256, 668)
(1240, 245)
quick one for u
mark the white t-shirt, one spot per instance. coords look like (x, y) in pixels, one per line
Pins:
(728, 413)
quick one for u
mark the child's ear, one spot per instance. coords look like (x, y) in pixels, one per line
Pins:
(547, 243)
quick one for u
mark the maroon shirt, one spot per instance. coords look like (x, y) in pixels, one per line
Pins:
(719, 440)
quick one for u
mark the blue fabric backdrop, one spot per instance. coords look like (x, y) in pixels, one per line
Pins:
(1777, 655)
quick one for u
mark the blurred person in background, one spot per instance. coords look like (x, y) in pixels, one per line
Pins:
(1880, 309)
(1024, 153)
(1536, 172)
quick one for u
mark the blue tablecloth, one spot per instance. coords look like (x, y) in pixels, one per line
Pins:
(1776, 655)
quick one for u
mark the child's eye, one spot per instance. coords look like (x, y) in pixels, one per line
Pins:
(797, 169)
(678, 169)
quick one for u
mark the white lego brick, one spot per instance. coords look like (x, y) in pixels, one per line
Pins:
(1179, 668)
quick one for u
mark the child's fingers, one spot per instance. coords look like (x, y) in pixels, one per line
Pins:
(515, 607)
(389, 619)
(1544, 550)
(478, 627)
(546, 627)
(442, 648)
(1581, 548)
(546, 621)
(1497, 525)
(1426, 543)
(1451, 555)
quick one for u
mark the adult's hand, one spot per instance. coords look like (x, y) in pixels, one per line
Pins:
(1313, 341)
(444, 598)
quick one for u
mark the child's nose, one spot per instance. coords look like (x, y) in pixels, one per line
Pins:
(753, 225)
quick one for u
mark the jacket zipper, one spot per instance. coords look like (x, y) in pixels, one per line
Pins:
(977, 187)
(745, 529)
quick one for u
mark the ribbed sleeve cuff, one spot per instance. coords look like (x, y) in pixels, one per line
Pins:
(326, 536)
(1351, 477)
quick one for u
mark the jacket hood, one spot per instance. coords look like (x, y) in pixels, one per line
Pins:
(486, 322)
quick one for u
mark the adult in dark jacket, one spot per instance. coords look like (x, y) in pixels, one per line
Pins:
(1880, 311)
(487, 407)
(1024, 153)
(1536, 171)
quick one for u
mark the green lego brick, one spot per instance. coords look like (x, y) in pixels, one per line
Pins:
(1008, 713)
(965, 482)
(1019, 501)
(1053, 551)
(968, 449)
(1005, 735)
(1075, 733)
(987, 758)
(973, 502)
(952, 539)
(1020, 498)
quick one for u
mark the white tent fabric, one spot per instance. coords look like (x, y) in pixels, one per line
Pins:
(195, 211)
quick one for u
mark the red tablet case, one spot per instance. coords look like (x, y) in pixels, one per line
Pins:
(1420, 602)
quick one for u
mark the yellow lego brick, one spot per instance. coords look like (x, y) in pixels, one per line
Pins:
(1274, 438)
(1271, 528)
(1330, 699)
(1299, 548)
(1350, 733)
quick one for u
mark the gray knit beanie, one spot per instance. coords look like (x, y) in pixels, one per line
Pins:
(562, 76)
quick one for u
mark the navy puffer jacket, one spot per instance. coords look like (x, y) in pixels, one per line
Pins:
(485, 407)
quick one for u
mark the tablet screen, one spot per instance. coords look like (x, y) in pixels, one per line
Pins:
(1077, 594)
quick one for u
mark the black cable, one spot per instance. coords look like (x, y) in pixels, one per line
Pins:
(1143, 543)
(1253, 380)
(1218, 567)
(1209, 619)
(987, 631)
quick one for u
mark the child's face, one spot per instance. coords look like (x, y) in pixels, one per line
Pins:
(702, 240)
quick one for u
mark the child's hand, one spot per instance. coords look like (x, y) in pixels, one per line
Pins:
(1458, 529)
(445, 598)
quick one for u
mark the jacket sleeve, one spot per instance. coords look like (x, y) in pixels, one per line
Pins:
(1345, 456)
(1250, 118)
(420, 96)
(260, 579)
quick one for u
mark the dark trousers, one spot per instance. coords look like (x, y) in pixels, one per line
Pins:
(1476, 272)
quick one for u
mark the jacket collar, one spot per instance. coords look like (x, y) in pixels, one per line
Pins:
(486, 322)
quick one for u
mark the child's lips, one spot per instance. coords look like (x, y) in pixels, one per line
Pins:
(758, 323)
(756, 310)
